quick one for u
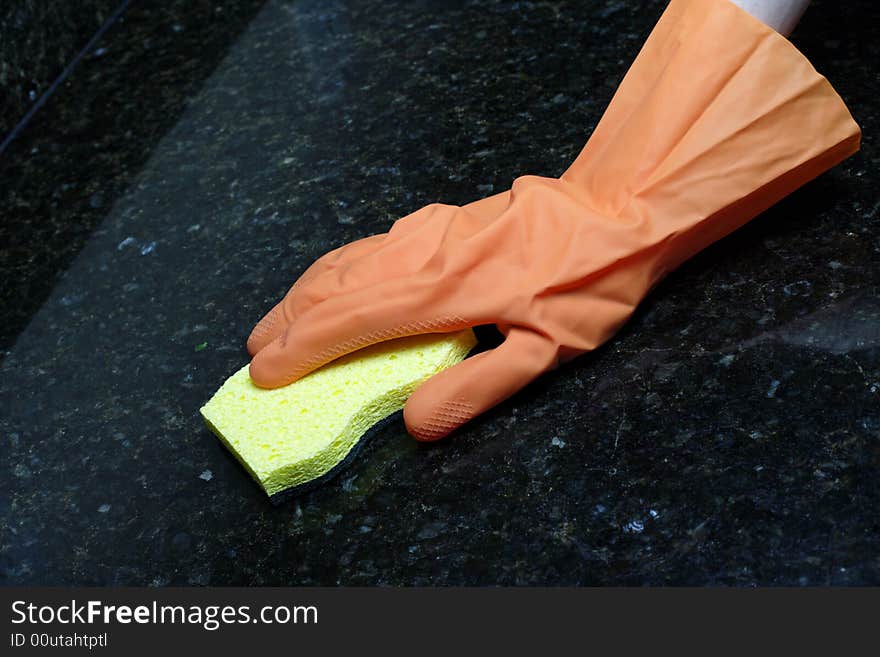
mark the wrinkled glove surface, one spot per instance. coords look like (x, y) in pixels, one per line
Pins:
(718, 118)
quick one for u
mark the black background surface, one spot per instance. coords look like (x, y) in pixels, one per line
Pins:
(176, 186)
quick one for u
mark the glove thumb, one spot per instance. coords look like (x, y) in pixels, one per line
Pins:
(454, 396)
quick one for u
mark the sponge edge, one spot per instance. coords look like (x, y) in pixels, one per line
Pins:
(291, 436)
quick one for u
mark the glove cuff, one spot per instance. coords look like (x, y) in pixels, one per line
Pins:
(717, 119)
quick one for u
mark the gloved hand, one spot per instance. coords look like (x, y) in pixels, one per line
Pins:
(718, 118)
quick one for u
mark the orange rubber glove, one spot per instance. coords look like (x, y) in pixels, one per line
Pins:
(718, 118)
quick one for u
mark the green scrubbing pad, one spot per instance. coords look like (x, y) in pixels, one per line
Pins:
(291, 437)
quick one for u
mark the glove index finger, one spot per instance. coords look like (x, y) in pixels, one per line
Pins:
(346, 323)
(298, 297)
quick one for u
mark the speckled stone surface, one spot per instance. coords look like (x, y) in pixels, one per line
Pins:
(37, 40)
(729, 435)
(61, 176)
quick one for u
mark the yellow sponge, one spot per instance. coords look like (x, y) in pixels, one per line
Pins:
(289, 437)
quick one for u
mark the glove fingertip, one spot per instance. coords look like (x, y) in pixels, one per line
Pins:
(428, 420)
(266, 330)
(268, 368)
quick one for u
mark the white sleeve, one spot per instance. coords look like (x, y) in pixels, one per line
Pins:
(781, 15)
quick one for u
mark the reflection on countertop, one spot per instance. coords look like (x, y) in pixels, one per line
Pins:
(728, 435)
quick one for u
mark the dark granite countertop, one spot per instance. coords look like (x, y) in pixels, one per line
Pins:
(730, 434)
(38, 38)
